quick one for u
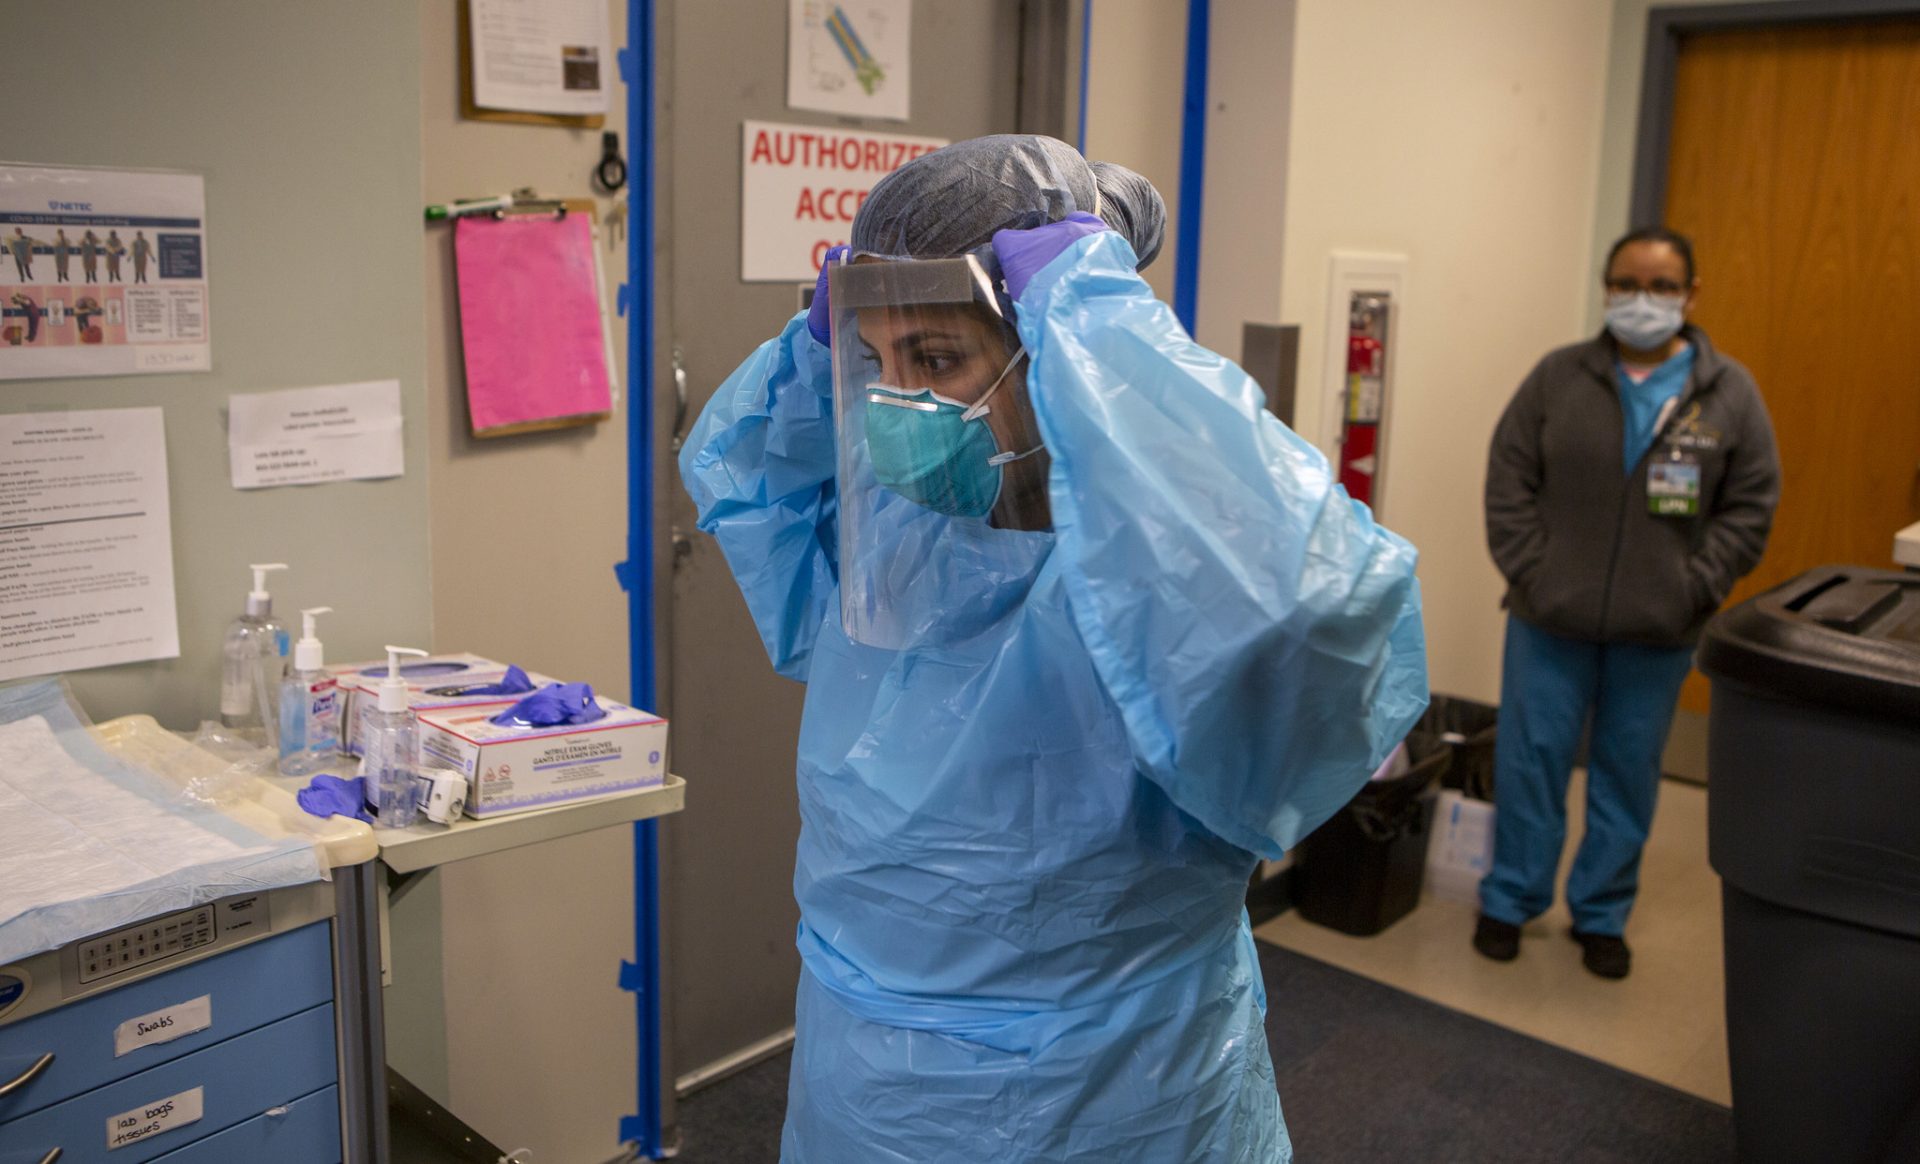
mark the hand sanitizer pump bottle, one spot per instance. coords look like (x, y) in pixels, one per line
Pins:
(253, 658)
(390, 757)
(309, 705)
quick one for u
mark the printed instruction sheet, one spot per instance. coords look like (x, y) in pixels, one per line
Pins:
(542, 56)
(102, 272)
(86, 542)
(308, 436)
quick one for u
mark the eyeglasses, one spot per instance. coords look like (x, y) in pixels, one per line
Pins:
(1626, 287)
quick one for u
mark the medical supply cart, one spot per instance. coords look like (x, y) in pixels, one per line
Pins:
(249, 1027)
(237, 1029)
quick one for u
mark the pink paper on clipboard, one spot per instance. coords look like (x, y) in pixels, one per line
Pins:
(530, 322)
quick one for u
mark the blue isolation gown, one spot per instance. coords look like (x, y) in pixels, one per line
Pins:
(1026, 839)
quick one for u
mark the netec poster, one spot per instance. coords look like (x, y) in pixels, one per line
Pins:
(800, 188)
(102, 272)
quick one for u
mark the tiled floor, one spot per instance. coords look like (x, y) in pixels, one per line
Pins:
(1666, 1021)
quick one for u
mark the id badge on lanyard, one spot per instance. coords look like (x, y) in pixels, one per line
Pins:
(1673, 483)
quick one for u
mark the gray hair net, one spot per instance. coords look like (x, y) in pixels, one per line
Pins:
(950, 201)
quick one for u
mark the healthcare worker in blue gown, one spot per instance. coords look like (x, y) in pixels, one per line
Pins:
(1085, 632)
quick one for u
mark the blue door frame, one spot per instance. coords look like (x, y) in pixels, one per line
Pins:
(642, 975)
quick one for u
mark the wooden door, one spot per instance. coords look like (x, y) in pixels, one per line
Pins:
(1795, 167)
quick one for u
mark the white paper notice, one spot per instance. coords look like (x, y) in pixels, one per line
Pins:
(850, 56)
(304, 436)
(163, 1026)
(102, 273)
(86, 544)
(150, 1119)
(541, 56)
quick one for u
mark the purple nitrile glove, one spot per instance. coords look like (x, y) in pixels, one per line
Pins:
(554, 704)
(514, 682)
(819, 315)
(327, 795)
(1023, 252)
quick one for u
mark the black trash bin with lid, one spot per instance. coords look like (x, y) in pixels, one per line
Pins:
(1361, 871)
(1813, 809)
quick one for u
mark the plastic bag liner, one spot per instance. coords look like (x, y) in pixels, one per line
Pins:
(1385, 808)
(89, 842)
(1467, 729)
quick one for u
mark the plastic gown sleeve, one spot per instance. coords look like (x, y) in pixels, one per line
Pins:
(1259, 632)
(759, 467)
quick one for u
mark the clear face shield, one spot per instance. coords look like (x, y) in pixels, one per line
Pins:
(942, 476)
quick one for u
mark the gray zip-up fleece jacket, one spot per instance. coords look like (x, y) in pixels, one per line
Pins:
(1583, 555)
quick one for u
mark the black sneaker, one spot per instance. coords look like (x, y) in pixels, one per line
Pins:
(1604, 954)
(1496, 939)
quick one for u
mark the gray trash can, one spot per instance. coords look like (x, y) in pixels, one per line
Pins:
(1813, 810)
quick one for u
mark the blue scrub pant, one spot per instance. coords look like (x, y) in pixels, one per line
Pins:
(1547, 689)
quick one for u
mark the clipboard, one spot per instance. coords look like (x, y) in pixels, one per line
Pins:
(473, 112)
(537, 351)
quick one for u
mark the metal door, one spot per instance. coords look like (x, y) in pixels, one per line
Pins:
(727, 890)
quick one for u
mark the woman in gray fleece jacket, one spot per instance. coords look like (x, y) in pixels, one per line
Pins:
(1631, 482)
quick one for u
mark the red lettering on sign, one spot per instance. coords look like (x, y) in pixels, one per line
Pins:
(806, 207)
(832, 152)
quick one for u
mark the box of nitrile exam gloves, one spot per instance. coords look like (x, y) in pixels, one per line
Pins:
(513, 769)
(435, 682)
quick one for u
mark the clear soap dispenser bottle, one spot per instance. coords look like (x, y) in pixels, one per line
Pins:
(309, 705)
(390, 755)
(253, 659)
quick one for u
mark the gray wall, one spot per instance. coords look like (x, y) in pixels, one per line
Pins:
(1243, 227)
(304, 120)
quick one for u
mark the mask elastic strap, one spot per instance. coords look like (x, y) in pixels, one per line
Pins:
(999, 459)
(979, 408)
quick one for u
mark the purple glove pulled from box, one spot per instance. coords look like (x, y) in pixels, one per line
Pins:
(335, 796)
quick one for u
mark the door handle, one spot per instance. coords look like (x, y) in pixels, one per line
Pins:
(28, 1076)
(679, 399)
(50, 1157)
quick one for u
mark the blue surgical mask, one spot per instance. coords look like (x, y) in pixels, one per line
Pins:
(936, 451)
(1643, 321)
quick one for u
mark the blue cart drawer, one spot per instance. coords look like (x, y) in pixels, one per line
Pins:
(229, 1084)
(306, 1131)
(246, 988)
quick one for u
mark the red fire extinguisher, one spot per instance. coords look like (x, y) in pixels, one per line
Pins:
(1365, 397)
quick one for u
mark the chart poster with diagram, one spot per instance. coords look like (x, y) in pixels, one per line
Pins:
(850, 57)
(102, 272)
